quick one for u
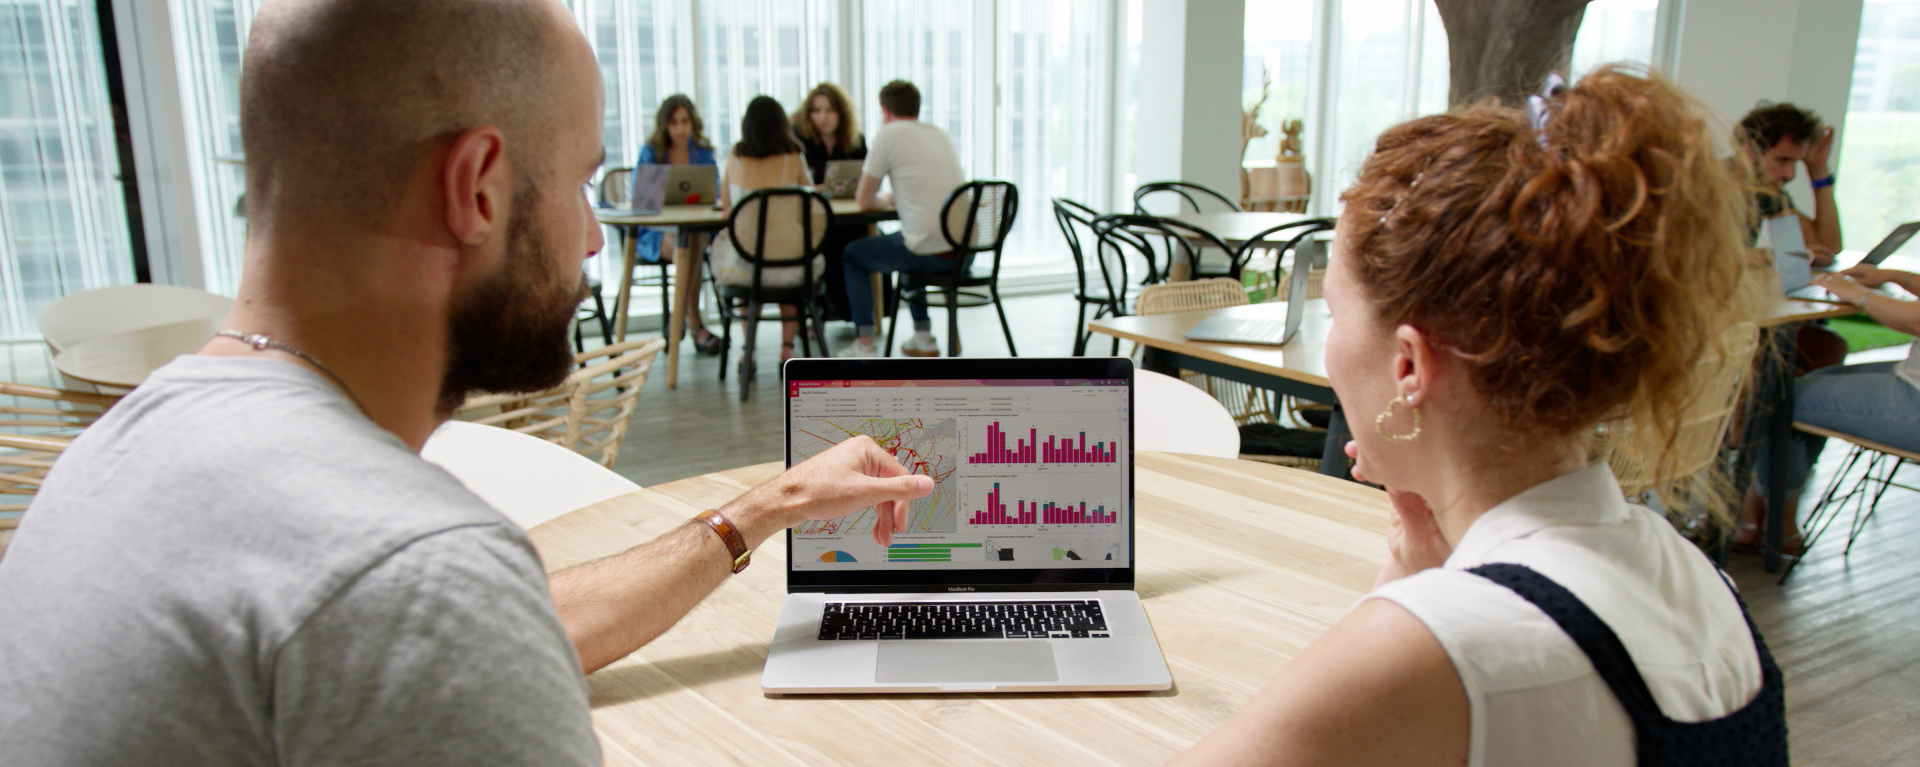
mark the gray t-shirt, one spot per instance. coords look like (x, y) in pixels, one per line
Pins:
(235, 567)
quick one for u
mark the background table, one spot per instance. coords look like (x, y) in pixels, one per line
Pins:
(1770, 408)
(1297, 368)
(693, 223)
(125, 359)
(1240, 565)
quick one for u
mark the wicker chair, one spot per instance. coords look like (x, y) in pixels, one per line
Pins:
(1247, 404)
(1721, 380)
(36, 425)
(588, 414)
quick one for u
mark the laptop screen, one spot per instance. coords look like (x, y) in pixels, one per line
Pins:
(1032, 474)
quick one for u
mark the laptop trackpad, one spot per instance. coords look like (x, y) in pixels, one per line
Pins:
(1008, 660)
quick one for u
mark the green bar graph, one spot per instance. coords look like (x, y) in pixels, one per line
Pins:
(926, 552)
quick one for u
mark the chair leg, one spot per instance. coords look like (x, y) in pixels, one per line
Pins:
(1005, 327)
(666, 297)
(953, 320)
(893, 324)
(726, 332)
(600, 316)
(1080, 330)
(752, 319)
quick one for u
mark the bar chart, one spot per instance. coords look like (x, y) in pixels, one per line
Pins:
(1028, 512)
(1061, 448)
(930, 552)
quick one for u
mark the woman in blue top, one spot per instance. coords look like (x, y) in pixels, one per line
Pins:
(679, 138)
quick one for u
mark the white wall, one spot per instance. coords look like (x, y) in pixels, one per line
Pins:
(1189, 111)
(1733, 53)
(159, 134)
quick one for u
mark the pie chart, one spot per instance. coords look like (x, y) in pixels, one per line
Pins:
(837, 556)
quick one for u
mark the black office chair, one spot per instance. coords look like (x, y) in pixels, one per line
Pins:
(1111, 285)
(593, 308)
(976, 219)
(789, 211)
(1197, 198)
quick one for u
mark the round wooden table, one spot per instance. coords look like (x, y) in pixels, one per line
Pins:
(1240, 565)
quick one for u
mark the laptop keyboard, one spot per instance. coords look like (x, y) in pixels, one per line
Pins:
(1070, 619)
(1259, 331)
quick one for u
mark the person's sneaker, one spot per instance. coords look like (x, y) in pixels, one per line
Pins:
(921, 345)
(859, 348)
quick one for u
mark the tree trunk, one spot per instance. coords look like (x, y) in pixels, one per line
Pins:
(1504, 48)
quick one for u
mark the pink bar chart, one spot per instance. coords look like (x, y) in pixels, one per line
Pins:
(1035, 512)
(1057, 449)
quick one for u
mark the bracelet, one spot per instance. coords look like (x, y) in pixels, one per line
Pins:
(1821, 183)
(1861, 302)
(736, 545)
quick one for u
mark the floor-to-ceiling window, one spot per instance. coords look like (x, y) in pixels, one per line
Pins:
(63, 221)
(1879, 151)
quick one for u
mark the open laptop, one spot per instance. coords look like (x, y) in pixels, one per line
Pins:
(658, 185)
(1015, 574)
(842, 179)
(1238, 330)
(1894, 240)
(1791, 262)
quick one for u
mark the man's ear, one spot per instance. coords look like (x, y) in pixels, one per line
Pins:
(477, 183)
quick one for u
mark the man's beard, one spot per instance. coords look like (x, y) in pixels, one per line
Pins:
(509, 334)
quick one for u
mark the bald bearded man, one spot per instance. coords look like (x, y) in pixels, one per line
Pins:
(246, 562)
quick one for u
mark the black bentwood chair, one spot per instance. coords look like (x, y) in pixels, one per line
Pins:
(976, 219)
(783, 228)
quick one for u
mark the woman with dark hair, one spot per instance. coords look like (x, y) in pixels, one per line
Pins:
(829, 131)
(1502, 283)
(767, 156)
(679, 138)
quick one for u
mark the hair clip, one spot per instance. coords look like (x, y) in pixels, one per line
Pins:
(1537, 106)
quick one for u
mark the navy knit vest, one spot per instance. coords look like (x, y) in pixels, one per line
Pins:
(1756, 734)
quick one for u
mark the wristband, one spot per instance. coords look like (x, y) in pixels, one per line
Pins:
(730, 535)
(1861, 302)
(1820, 183)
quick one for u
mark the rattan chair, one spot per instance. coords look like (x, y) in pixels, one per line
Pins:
(1697, 451)
(36, 425)
(1247, 404)
(588, 414)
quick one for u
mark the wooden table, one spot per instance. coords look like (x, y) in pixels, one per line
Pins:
(1240, 227)
(692, 223)
(1297, 368)
(126, 358)
(1241, 565)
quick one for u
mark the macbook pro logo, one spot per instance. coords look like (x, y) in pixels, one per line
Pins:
(959, 588)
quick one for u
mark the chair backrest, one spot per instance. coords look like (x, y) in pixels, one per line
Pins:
(36, 425)
(588, 413)
(1192, 295)
(1179, 241)
(979, 215)
(1718, 381)
(780, 225)
(1184, 196)
(616, 187)
(527, 478)
(88, 314)
(1283, 267)
(1176, 417)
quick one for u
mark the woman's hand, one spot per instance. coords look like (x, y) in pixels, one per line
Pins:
(1867, 276)
(1414, 542)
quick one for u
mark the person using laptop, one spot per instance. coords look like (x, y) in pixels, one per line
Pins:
(918, 159)
(767, 156)
(679, 138)
(829, 131)
(1879, 401)
(1489, 261)
(1775, 139)
(246, 562)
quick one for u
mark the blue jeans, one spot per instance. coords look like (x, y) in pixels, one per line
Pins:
(885, 254)
(1865, 400)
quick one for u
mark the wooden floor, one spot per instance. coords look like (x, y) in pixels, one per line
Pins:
(1845, 630)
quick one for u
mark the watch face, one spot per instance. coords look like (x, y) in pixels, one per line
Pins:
(685, 185)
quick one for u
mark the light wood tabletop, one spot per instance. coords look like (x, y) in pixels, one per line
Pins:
(693, 223)
(1788, 310)
(126, 358)
(1241, 565)
(1303, 359)
(1235, 228)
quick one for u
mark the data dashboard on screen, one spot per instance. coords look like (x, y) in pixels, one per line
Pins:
(1028, 474)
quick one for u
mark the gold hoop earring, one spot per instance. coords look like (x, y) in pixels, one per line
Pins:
(1380, 422)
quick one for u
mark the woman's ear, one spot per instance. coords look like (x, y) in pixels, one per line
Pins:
(1417, 363)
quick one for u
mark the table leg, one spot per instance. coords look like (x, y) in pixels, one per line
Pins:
(625, 291)
(686, 278)
(879, 282)
(1779, 430)
(1333, 453)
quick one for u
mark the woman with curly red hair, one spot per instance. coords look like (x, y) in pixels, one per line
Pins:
(1503, 282)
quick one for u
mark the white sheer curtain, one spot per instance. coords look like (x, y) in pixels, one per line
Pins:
(63, 225)
(748, 48)
(1614, 30)
(1050, 129)
(1879, 152)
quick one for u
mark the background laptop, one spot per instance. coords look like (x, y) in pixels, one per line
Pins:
(1016, 574)
(1897, 238)
(657, 185)
(842, 179)
(1236, 330)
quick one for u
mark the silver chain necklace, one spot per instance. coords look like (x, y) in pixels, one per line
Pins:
(260, 342)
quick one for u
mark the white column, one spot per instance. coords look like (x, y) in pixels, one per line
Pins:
(158, 127)
(1188, 125)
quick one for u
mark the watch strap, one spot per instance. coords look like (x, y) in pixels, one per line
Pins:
(730, 535)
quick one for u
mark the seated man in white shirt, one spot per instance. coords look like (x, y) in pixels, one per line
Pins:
(919, 160)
